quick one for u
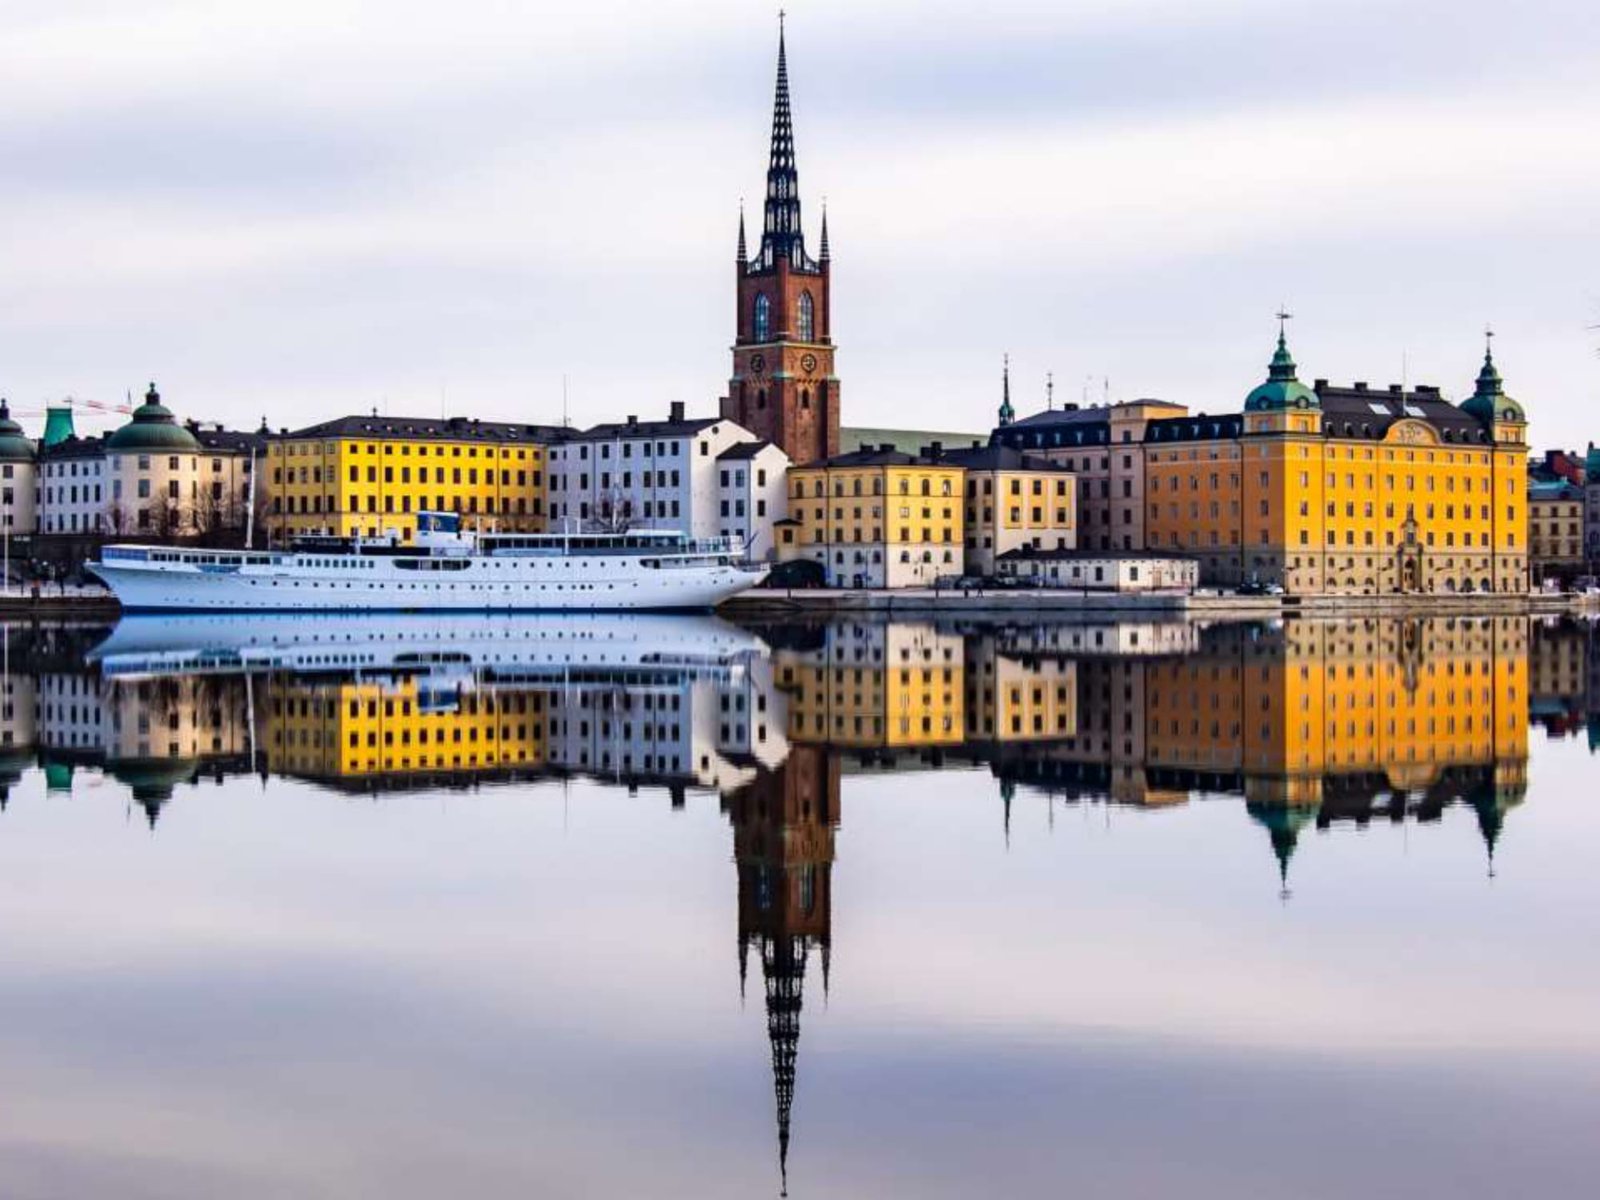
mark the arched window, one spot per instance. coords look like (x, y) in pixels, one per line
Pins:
(761, 324)
(808, 320)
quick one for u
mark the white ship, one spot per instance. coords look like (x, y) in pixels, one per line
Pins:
(445, 569)
(504, 648)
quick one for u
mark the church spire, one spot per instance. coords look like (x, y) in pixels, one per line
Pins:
(781, 234)
(822, 249)
(1007, 413)
(743, 254)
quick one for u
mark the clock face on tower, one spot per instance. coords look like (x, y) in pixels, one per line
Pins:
(758, 364)
(808, 364)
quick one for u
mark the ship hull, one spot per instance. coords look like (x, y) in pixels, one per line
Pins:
(545, 585)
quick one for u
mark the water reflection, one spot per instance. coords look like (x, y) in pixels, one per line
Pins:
(1304, 724)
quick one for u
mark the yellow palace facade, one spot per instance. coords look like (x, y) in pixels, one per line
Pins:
(368, 475)
(1349, 491)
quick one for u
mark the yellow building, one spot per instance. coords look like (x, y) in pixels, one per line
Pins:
(1013, 501)
(1018, 697)
(1320, 489)
(379, 731)
(876, 518)
(877, 687)
(369, 475)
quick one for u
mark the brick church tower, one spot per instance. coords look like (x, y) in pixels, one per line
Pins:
(783, 387)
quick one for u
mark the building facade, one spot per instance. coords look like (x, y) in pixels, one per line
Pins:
(18, 478)
(876, 518)
(784, 389)
(1555, 530)
(1102, 570)
(1319, 489)
(1012, 500)
(643, 474)
(752, 496)
(370, 476)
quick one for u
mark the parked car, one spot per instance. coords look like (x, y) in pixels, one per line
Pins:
(1250, 589)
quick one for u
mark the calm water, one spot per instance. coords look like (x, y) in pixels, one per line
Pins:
(660, 907)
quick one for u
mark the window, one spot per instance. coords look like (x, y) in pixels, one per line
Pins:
(761, 321)
(808, 325)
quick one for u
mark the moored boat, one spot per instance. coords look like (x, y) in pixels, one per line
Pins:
(445, 570)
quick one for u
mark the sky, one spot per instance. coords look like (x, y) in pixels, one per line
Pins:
(317, 207)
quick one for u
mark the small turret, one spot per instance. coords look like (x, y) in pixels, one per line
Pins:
(1007, 413)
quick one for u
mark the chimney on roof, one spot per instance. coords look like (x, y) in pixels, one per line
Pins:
(936, 450)
(675, 410)
(1395, 389)
(633, 420)
(885, 447)
(1360, 385)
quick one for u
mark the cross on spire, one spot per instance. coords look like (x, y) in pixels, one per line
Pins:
(781, 235)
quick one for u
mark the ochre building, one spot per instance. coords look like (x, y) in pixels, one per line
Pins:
(370, 475)
(1353, 491)
(876, 518)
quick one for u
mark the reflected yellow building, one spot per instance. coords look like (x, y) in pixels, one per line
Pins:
(877, 687)
(369, 729)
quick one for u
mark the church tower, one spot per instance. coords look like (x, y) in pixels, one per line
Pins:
(783, 845)
(783, 387)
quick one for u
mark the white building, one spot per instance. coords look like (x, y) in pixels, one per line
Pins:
(645, 474)
(72, 489)
(751, 495)
(18, 477)
(1103, 571)
(151, 478)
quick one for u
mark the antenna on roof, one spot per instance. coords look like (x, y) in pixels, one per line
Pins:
(564, 400)
(1050, 391)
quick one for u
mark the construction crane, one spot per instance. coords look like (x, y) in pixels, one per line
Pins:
(74, 402)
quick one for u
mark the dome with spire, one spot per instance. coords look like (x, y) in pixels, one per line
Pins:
(153, 427)
(1283, 388)
(15, 446)
(1489, 402)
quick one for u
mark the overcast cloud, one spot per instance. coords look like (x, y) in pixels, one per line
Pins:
(319, 206)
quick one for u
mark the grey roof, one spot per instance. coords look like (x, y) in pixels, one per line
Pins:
(1362, 412)
(642, 429)
(75, 447)
(1001, 458)
(452, 429)
(743, 451)
(1196, 428)
(236, 441)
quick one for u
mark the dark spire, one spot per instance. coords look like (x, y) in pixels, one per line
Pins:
(781, 234)
(783, 962)
(823, 254)
(1007, 413)
(743, 255)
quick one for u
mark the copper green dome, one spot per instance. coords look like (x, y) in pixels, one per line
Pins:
(1489, 402)
(1283, 388)
(15, 446)
(153, 428)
